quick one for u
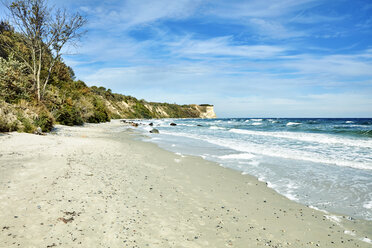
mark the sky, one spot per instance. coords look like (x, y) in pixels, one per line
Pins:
(249, 58)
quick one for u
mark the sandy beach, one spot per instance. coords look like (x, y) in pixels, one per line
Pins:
(95, 186)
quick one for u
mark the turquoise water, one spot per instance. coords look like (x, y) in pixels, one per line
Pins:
(324, 163)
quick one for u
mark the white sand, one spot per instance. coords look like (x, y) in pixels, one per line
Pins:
(93, 187)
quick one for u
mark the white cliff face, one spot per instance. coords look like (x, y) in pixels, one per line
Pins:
(125, 109)
(206, 112)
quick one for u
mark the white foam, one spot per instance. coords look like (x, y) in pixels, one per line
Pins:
(186, 125)
(180, 154)
(367, 240)
(216, 128)
(286, 153)
(349, 122)
(254, 163)
(256, 119)
(349, 232)
(256, 123)
(368, 205)
(318, 209)
(261, 179)
(290, 196)
(334, 218)
(308, 137)
(293, 123)
(271, 185)
(147, 128)
(238, 156)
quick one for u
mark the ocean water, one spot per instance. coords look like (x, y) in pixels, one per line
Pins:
(324, 163)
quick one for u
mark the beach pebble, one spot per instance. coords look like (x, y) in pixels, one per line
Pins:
(154, 130)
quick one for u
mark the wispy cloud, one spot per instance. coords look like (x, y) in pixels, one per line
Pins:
(253, 57)
(276, 30)
(221, 46)
(260, 9)
(131, 13)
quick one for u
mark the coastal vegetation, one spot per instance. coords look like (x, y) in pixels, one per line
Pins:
(37, 89)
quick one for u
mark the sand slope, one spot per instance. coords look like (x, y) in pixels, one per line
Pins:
(94, 187)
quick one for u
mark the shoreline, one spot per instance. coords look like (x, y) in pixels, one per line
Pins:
(91, 187)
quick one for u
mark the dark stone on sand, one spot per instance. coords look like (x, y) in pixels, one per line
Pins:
(38, 131)
(173, 124)
(154, 130)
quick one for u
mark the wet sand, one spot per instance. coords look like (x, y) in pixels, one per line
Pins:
(94, 187)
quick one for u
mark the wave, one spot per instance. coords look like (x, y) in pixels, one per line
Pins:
(261, 149)
(216, 128)
(256, 124)
(357, 133)
(238, 156)
(293, 123)
(308, 137)
(312, 122)
(368, 205)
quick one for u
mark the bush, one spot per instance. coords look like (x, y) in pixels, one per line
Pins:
(141, 111)
(28, 127)
(100, 112)
(8, 127)
(69, 115)
(44, 121)
(14, 84)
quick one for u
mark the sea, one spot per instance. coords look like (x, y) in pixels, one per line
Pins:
(322, 163)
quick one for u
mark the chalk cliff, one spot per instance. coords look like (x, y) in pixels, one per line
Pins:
(206, 111)
(133, 108)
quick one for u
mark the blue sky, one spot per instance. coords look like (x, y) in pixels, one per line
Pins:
(252, 58)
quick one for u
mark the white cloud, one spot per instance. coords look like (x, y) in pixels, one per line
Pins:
(253, 76)
(336, 66)
(222, 46)
(274, 29)
(133, 13)
(259, 8)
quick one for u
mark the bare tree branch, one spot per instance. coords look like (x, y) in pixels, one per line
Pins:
(46, 31)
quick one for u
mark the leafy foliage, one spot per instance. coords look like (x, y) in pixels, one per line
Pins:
(45, 121)
(65, 101)
(101, 113)
(14, 80)
(69, 116)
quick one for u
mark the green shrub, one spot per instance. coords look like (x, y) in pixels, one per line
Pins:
(141, 111)
(8, 127)
(44, 121)
(28, 127)
(100, 112)
(3, 126)
(115, 116)
(69, 115)
(14, 84)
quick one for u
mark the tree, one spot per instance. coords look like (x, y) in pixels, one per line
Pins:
(44, 31)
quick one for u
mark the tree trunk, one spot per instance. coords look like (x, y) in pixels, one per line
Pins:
(48, 76)
(38, 76)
